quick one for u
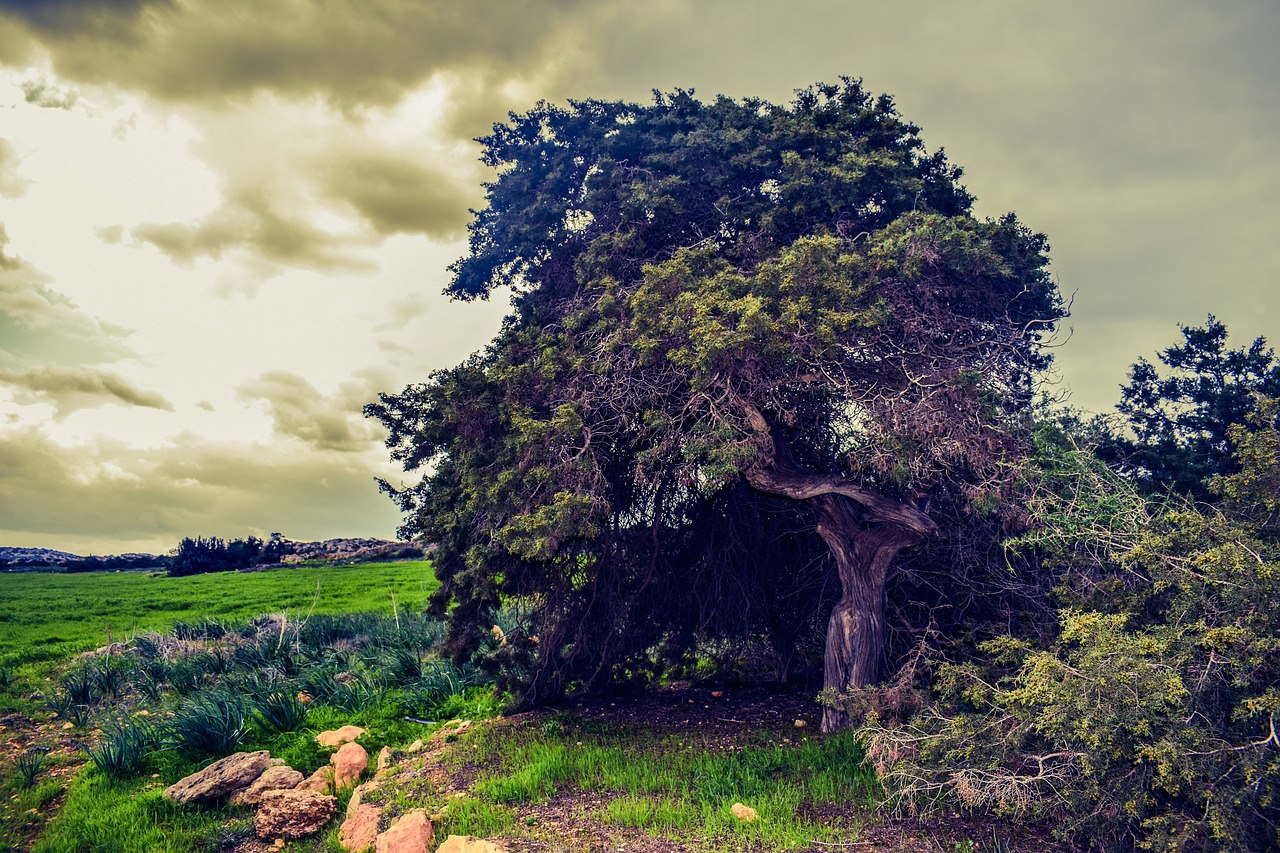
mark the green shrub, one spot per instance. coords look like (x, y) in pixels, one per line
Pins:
(109, 676)
(28, 765)
(356, 694)
(123, 749)
(65, 707)
(1151, 719)
(280, 711)
(212, 724)
(79, 684)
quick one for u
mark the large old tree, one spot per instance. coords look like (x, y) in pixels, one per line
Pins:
(736, 325)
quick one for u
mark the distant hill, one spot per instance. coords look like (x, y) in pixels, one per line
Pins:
(352, 550)
(46, 555)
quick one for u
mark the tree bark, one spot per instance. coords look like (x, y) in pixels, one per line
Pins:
(856, 629)
(864, 531)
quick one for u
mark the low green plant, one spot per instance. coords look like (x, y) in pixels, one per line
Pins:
(652, 813)
(109, 676)
(470, 816)
(102, 813)
(682, 785)
(78, 684)
(6, 679)
(123, 749)
(148, 686)
(28, 765)
(211, 724)
(356, 694)
(280, 711)
(63, 706)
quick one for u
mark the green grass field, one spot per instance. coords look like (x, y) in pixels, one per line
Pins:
(46, 618)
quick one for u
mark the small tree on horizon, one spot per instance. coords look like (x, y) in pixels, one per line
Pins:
(745, 338)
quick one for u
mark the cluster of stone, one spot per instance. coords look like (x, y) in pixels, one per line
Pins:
(291, 806)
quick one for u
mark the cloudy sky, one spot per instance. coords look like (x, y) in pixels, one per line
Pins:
(224, 224)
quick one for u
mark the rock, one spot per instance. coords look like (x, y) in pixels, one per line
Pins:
(416, 746)
(468, 844)
(800, 724)
(320, 782)
(340, 736)
(412, 833)
(384, 760)
(277, 777)
(220, 778)
(357, 796)
(349, 764)
(746, 814)
(360, 830)
(293, 814)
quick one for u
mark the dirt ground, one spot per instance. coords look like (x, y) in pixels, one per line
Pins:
(727, 719)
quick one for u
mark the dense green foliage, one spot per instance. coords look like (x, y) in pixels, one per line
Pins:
(1150, 716)
(199, 555)
(1179, 422)
(733, 320)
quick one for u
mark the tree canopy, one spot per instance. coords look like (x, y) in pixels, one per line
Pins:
(1180, 419)
(735, 325)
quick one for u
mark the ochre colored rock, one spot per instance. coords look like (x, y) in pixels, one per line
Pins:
(360, 830)
(468, 844)
(349, 764)
(293, 814)
(220, 778)
(275, 778)
(412, 833)
(321, 782)
(384, 760)
(746, 814)
(340, 736)
(357, 796)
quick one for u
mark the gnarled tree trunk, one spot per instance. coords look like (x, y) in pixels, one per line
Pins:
(864, 531)
(855, 632)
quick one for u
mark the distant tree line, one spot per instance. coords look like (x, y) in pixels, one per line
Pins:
(201, 555)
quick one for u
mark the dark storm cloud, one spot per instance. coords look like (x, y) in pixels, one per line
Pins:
(70, 389)
(326, 422)
(396, 193)
(248, 220)
(353, 52)
(105, 492)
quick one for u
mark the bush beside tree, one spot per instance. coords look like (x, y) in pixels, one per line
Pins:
(1150, 719)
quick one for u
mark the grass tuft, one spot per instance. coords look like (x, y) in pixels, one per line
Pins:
(280, 711)
(123, 749)
(28, 765)
(212, 724)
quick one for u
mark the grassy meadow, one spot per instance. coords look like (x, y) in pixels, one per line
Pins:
(204, 675)
(47, 617)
